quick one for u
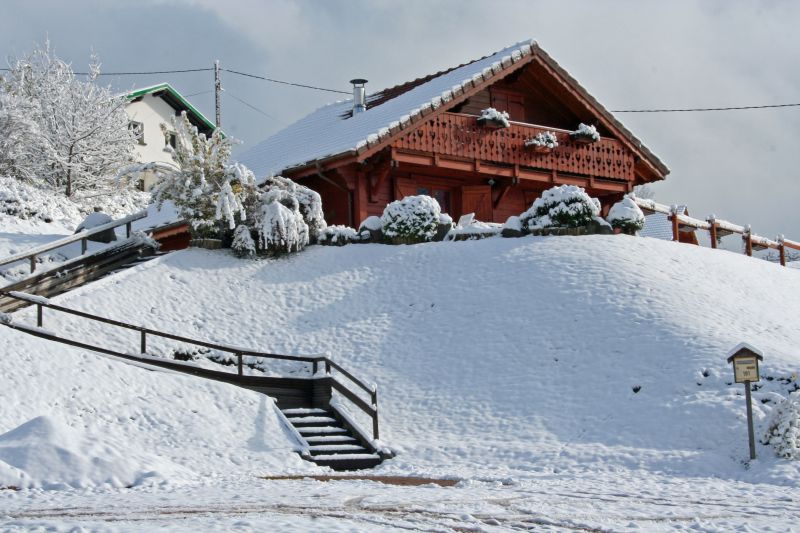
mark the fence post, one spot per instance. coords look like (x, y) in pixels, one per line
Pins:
(712, 230)
(143, 341)
(314, 371)
(83, 246)
(128, 230)
(673, 217)
(782, 250)
(39, 316)
(33, 263)
(327, 366)
(748, 241)
(375, 414)
(239, 356)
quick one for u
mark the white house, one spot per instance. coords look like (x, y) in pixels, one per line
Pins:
(150, 107)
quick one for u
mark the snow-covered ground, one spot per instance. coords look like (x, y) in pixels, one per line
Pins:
(568, 383)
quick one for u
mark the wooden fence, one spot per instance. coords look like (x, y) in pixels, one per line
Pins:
(717, 229)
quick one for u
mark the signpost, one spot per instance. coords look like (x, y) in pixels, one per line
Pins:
(745, 359)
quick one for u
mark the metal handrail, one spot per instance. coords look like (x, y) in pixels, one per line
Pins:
(82, 236)
(371, 408)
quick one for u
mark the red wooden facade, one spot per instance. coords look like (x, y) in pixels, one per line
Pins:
(469, 168)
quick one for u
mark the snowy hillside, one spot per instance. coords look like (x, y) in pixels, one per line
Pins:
(494, 358)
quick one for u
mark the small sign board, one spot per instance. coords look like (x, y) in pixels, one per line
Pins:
(745, 364)
(745, 369)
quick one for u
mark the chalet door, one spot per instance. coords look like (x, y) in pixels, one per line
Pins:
(477, 199)
(404, 187)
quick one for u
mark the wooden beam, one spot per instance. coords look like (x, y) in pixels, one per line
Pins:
(502, 195)
(376, 184)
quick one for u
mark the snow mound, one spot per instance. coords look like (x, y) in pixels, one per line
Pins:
(46, 453)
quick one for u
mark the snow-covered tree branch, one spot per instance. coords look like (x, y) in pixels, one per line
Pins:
(208, 190)
(81, 134)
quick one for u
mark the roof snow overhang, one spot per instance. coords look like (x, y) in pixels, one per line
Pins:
(512, 59)
(178, 102)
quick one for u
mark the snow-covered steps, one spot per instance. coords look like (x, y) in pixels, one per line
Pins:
(331, 441)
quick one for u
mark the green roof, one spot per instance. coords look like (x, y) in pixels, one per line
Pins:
(176, 100)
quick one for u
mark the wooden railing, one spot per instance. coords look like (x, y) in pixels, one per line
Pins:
(460, 135)
(83, 237)
(717, 229)
(315, 362)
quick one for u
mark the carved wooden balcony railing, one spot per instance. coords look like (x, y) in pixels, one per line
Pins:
(459, 135)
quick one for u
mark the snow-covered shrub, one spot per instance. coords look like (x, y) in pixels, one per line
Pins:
(491, 115)
(80, 137)
(562, 206)
(279, 223)
(243, 244)
(412, 219)
(626, 216)
(546, 139)
(585, 132)
(337, 236)
(783, 428)
(208, 190)
(310, 203)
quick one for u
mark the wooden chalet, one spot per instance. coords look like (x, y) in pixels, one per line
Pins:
(424, 137)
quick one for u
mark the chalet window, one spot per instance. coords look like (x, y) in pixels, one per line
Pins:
(137, 128)
(440, 195)
(171, 139)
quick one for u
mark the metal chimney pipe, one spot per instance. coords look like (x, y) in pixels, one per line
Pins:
(359, 95)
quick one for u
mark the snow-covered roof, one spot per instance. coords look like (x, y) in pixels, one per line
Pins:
(659, 226)
(744, 346)
(333, 130)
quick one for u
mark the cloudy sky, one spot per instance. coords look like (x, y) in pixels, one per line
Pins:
(629, 54)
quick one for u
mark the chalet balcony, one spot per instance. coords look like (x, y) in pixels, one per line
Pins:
(462, 141)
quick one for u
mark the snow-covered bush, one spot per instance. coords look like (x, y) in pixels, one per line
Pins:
(585, 132)
(783, 428)
(208, 190)
(412, 219)
(545, 139)
(626, 216)
(562, 206)
(24, 200)
(491, 115)
(77, 132)
(310, 203)
(279, 223)
(337, 236)
(243, 244)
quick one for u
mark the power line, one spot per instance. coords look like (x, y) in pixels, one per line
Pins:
(198, 94)
(285, 82)
(137, 73)
(251, 106)
(690, 110)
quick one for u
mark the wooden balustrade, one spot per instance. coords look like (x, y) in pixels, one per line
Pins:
(717, 228)
(459, 135)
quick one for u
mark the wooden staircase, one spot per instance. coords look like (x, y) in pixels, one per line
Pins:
(316, 402)
(330, 442)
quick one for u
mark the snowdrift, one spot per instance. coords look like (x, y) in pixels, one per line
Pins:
(494, 358)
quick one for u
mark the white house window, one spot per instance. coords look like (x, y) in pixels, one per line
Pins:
(138, 130)
(171, 139)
